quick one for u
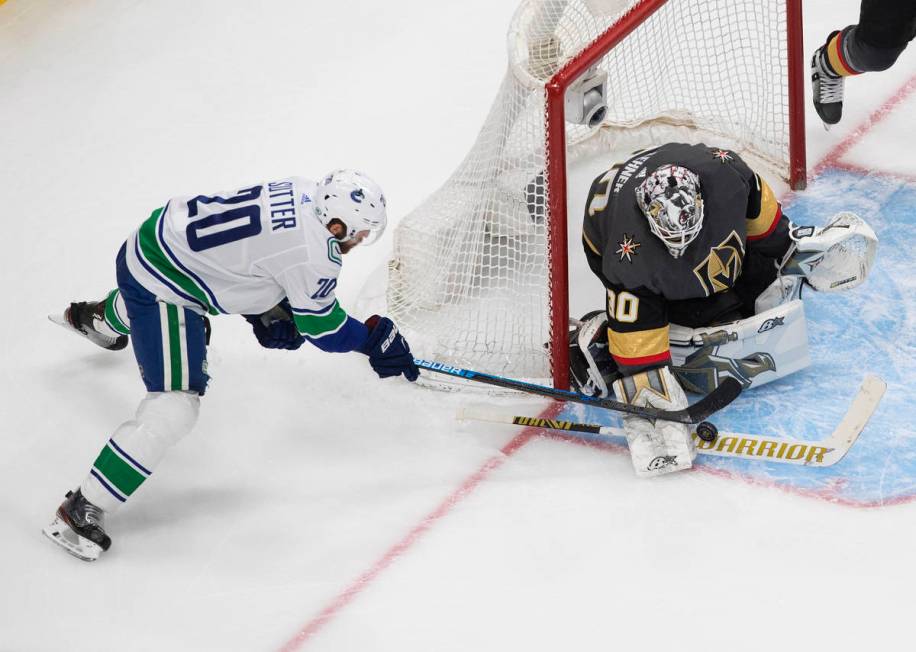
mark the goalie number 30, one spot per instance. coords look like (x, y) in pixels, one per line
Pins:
(622, 307)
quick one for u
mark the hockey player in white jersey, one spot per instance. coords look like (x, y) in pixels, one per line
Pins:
(271, 252)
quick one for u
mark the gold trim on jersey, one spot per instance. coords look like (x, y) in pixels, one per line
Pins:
(722, 267)
(589, 243)
(769, 212)
(638, 344)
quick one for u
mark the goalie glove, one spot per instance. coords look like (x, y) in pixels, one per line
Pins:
(591, 367)
(836, 257)
(657, 447)
(275, 329)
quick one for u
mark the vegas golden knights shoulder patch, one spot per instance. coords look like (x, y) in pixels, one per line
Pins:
(722, 267)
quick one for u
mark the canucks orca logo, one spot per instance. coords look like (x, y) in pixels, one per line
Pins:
(358, 195)
(722, 267)
(334, 254)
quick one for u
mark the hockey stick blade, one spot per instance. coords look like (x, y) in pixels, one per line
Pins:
(727, 391)
(730, 444)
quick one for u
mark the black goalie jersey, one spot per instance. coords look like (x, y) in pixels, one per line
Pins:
(717, 277)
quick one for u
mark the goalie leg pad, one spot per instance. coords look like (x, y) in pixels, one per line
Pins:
(753, 351)
(656, 447)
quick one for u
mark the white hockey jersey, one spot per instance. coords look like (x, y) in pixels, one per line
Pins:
(241, 252)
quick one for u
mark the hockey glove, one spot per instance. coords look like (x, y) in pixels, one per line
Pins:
(591, 367)
(275, 329)
(836, 257)
(388, 351)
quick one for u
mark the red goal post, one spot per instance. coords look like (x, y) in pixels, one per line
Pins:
(479, 275)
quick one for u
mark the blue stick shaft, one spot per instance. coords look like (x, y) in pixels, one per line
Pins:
(724, 394)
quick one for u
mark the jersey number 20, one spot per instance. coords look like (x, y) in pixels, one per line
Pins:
(229, 225)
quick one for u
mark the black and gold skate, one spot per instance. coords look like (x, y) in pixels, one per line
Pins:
(827, 87)
(79, 528)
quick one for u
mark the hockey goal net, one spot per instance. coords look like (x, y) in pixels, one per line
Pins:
(478, 278)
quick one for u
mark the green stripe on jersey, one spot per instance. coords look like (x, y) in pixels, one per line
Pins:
(149, 246)
(111, 315)
(118, 472)
(174, 351)
(318, 325)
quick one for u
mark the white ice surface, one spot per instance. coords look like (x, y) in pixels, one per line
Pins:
(305, 471)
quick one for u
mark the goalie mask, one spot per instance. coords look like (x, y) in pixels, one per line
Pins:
(354, 199)
(671, 200)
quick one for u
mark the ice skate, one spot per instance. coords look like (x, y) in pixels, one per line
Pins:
(80, 318)
(827, 88)
(78, 528)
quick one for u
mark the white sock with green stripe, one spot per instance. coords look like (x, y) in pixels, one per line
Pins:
(115, 322)
(137, 446)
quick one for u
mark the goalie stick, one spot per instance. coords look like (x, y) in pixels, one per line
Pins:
(826, 452)
(725, 393)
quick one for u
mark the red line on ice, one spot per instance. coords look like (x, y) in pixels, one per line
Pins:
(347, 596)
(832, 159)
(873, 172)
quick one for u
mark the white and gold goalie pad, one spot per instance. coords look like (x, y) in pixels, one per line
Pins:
(656, 447)
(753, 351)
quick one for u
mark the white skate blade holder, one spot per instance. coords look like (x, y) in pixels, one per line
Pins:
(96, 338)
(61, 321)
(61, 534)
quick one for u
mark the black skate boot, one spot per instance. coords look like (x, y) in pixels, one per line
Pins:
(81, 317)
(827, 87)
(78, 527)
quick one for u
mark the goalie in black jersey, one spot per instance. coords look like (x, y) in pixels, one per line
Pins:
(703, 274)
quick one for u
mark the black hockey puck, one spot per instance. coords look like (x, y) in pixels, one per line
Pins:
(707, 431)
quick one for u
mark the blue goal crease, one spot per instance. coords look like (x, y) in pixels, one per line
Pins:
(871, 328)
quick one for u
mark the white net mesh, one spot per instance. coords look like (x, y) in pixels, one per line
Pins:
(469, 278)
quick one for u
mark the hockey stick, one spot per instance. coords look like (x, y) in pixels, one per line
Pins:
(725, 393)
(729, 444)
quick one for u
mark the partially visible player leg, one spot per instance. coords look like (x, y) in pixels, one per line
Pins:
(885, 28)
(161, 420)
(169, 344)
